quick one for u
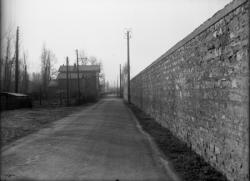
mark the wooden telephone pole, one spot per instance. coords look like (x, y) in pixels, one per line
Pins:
(25, 75)
(78, 79)
(120, 81)
(67, 77)
(117, 88)
(17, 63)
(128, 37)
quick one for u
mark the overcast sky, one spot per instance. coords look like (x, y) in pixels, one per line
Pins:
(97, 27)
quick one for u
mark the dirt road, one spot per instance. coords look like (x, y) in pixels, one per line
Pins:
(102, 142)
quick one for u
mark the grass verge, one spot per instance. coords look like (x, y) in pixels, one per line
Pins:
(21, 122)
(187, 163)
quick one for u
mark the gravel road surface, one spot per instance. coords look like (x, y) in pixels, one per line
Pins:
(101, 142)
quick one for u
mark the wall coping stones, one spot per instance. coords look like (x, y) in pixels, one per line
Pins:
(211, 21)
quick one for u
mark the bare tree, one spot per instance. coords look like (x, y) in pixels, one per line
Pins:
(24, 79)
(83, 58)
(53, 69)
(47, 61)
(5, 59)
(7, 63)
(45, 68)
(7, 68)
(92, 60)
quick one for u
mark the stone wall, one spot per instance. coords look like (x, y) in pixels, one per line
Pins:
(199, 90)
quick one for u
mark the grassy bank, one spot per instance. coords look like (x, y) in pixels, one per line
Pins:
(21, 122)
(186, 162)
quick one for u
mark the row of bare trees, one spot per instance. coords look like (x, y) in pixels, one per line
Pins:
(9, 48)
(27, 83)
(36, 83)
(40, 80)
(48, 71)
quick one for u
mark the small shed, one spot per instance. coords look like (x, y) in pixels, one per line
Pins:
(10, 100)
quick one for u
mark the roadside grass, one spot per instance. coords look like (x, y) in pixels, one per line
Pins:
(186, 162)
(21, 122)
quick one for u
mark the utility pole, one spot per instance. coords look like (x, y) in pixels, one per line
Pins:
(78, 79)
(67, 77)
(0, 74)
(25, 75)
(128, 37)
(40, 93)
(25, 79)
(17, 68)
(117, 91)
(120, 81)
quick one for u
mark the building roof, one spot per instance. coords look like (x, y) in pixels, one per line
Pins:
(82, 68)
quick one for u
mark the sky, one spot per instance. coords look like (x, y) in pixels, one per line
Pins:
(98, 28)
